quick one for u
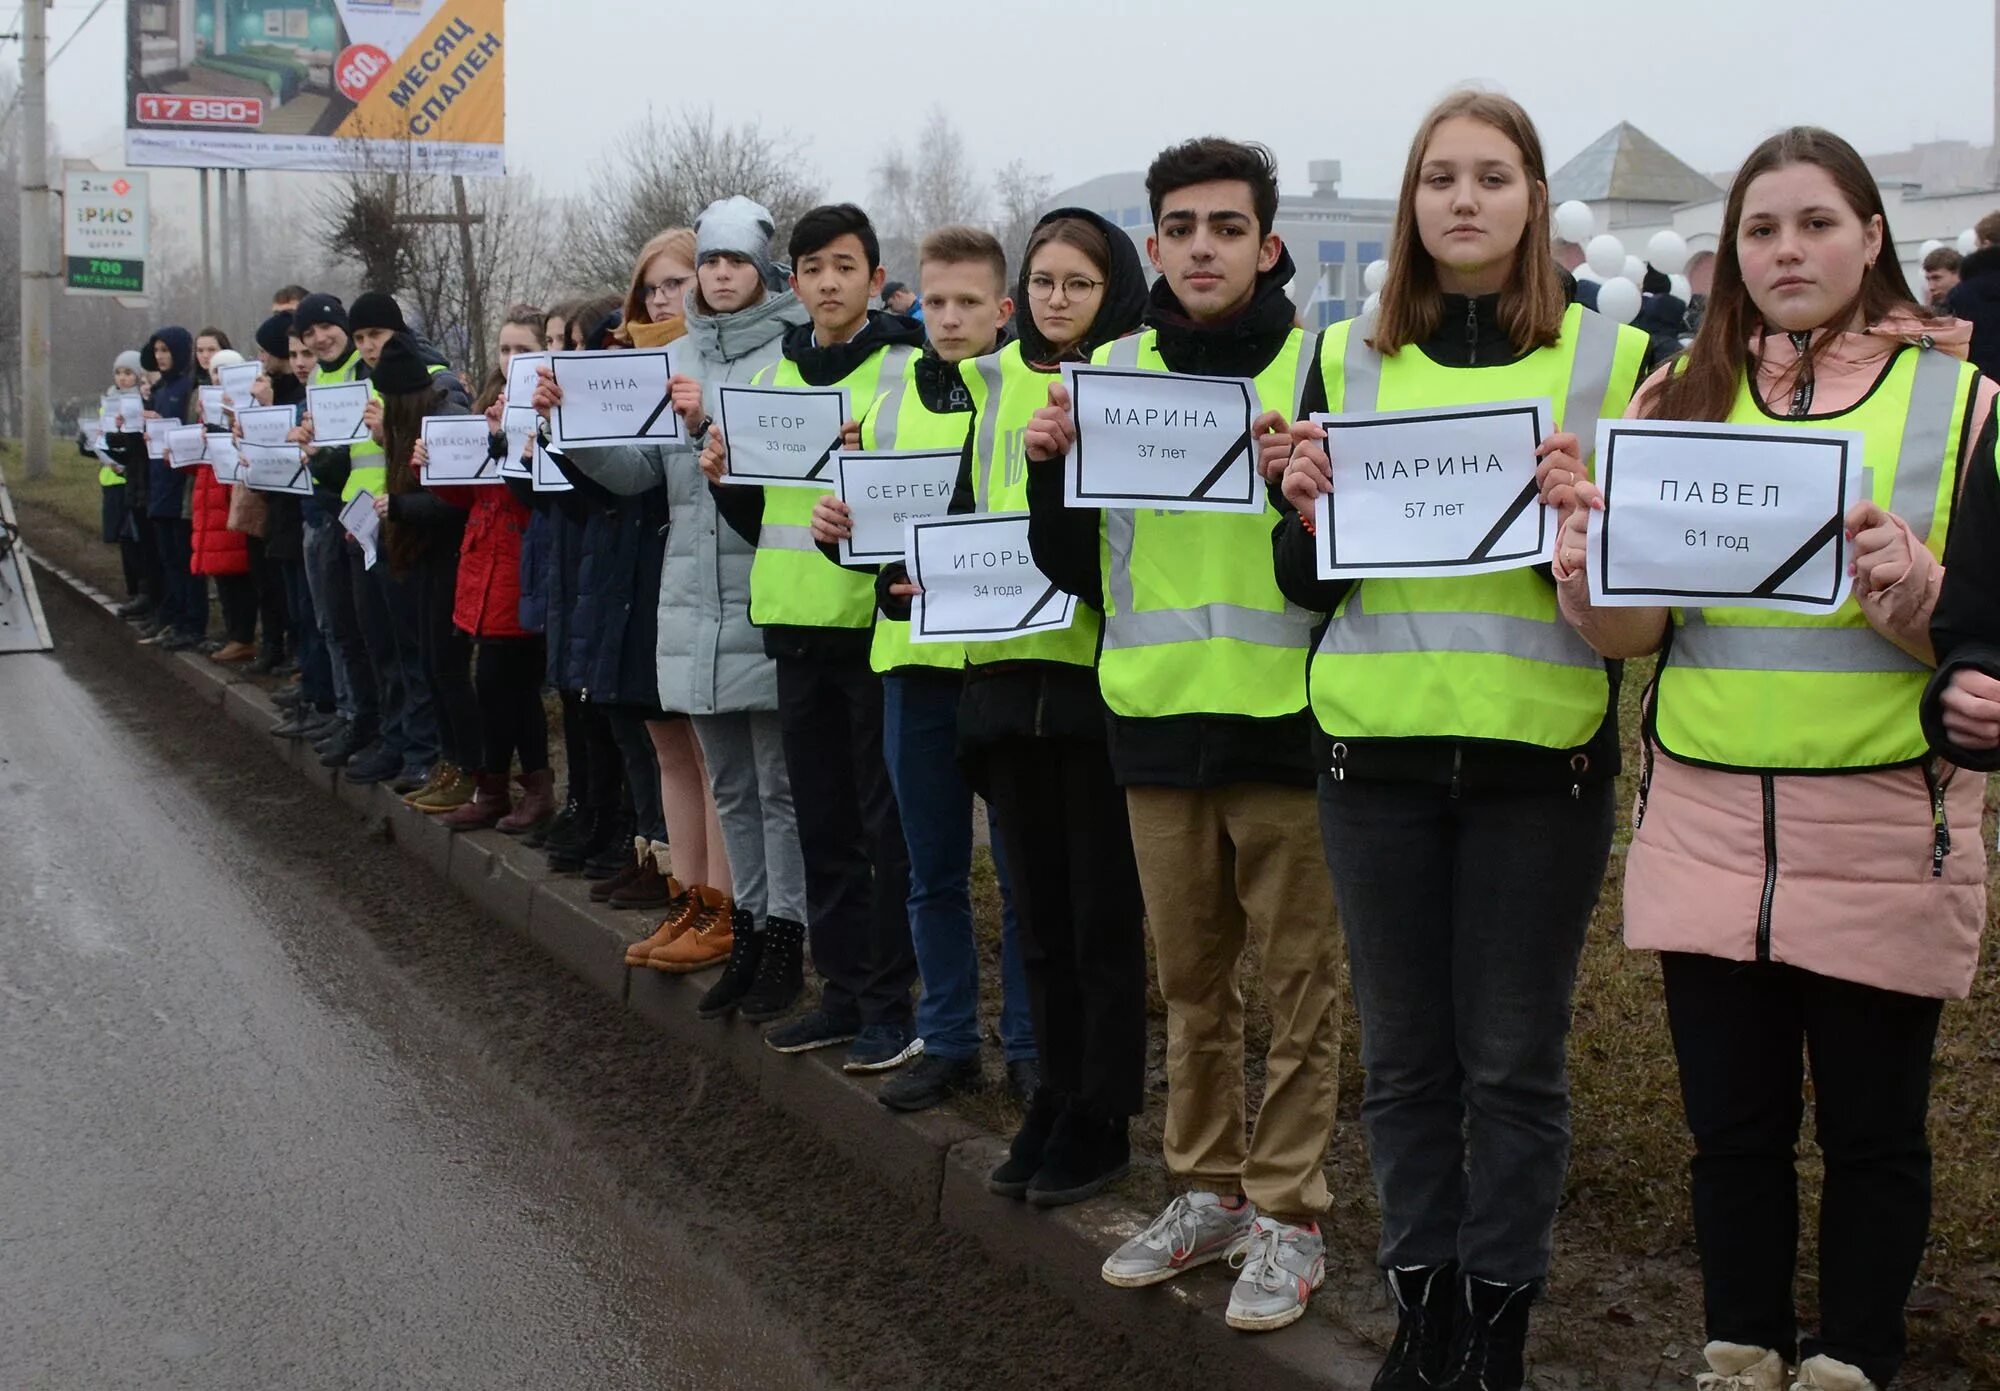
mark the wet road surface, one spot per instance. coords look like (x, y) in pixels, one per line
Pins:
(279, 1109)
(229, 1157)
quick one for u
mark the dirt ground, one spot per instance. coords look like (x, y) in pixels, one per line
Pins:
(1623, 1308)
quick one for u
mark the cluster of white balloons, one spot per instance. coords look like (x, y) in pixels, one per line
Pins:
(1967, 242)
(1617, 272)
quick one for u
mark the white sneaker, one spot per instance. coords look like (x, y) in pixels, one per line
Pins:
(1735, 1367)
(1282, 1265)
(1825, 1374)
(1194, 1230)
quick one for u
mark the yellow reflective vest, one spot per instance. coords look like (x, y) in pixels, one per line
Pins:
(1479, 656)
(1761, 691)
(913, 425)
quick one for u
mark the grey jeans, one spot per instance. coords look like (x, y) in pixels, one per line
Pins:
(745, 753)
(1465, 919)
(320, 548)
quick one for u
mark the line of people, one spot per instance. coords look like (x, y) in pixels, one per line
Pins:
(1404, 781)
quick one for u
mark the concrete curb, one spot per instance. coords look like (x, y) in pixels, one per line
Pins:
(933, 1163)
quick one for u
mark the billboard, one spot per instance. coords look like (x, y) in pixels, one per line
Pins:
(104, 232)
(317, 84)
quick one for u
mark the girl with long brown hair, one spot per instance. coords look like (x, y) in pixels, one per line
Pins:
(1813, 881)
(1470, 739)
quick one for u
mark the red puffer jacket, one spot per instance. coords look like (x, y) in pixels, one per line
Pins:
(217, 549)
(488, 600)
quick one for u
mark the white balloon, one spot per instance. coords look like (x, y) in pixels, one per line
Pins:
(1618, 299)
(1584, 272)
(1634, 270)
(1606, 255)
(1968, 242)
(1667, 252)
(1371, 310)
(1375, 276)
(1680, 288)
(1928, 247)
(1575, 222)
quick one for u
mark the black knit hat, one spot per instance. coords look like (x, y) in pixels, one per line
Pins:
(274, 335)
(402, 369)
(377, 310)
(315, 310)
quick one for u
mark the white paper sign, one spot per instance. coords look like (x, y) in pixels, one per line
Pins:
(785, 436)
(979, 581)
(267, 424)
(131, 413)
(336, 411)
(887, 488)
(1161, 439)
(212, 403)
(1443, 491)
(237, 382)
(522, 375)
(358, 517)
(1723, 515)
(186, 445)
(547, 477)
(518, 423)
(613, 398)
(223, 458)
(460, 450)
(275, 468)
(156, 437)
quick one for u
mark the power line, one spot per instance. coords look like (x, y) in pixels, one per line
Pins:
(63, 48)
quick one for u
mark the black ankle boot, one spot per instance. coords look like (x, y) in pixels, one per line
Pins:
(739, 973)
(781, 971)
(1086, 1151)
(1031, 1141)
(1426, 1298)
(1489, 1351)
(559, 824)
(568, 852)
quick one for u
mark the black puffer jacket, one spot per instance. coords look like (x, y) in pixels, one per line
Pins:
(1976, 299)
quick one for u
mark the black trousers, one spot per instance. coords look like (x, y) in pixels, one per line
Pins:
(639, 764)
(238, 595)
(507, 679)
(1743, 1033)
(851, 838)
(141, 556)
(1068, 846)
(446, 656)
(274, 620)
(596, 768)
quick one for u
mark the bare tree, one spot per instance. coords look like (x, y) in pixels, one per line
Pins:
(662, 172)
(930, 185)
(1018, 197)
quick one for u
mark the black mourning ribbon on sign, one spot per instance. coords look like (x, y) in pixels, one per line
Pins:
(1214, 475)
(293, 482)
(1813, 546)
(658, 411)
(1039, 605)
(1507, 519)
(824, 459)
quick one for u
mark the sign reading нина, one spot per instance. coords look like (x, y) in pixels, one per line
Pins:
(104, 233)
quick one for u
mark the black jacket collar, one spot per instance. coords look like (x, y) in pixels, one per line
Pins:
(1239, 346)
(823, 366)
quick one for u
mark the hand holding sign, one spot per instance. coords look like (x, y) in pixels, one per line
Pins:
(1724, 514)
(1881, 548)
(612, 398)
(1161, 439)
(1051, 432)
(1307, 472)
(831, 520)
(783, 436)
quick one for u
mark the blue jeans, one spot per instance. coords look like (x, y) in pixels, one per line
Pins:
(919, 740)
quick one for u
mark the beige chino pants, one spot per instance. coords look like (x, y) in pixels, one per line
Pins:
(1221, 867)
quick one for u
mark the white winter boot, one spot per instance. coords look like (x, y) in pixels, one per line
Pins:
(1734, 1367)
(1825, 1374)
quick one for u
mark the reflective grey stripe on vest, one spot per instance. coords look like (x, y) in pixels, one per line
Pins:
(1124, 628)
(988, 368)
(1699, 643)
(1591, 363)
(887, 408)
(786, 538)
(1934, 404)
(1354, 632)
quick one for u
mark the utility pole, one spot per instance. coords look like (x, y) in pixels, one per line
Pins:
(37, 227)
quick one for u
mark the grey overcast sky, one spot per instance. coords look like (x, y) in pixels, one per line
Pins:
(1079, 88)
